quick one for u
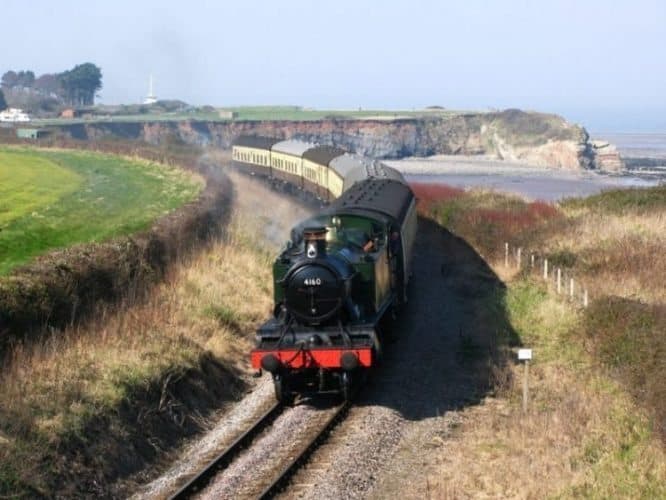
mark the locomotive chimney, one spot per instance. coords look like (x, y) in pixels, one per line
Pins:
(315, 242)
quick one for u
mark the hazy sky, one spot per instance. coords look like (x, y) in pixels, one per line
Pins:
(601, 63)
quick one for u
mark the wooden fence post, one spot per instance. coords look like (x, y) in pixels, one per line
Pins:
(571, 288)
(545, 269)
(525, 389)
(518, 256)
(506, 255)
(559, 280)
(525, 355)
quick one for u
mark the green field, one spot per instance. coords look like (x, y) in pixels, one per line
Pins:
(247, 113)
(299, 113)
(52, 199)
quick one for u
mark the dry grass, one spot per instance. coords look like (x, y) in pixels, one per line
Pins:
(615, 242)
(598, 388)
(582, 435)
(615, 254)
(210, 305)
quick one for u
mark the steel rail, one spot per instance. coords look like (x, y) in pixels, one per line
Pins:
(290, 469)
(222, 460)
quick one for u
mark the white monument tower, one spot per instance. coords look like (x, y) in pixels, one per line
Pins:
(150, 98)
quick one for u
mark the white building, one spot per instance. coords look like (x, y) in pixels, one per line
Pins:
(14, 115)
(150, 98)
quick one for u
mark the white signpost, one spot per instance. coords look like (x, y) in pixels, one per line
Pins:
(525, 355)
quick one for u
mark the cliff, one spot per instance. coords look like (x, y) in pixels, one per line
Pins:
(535, 138)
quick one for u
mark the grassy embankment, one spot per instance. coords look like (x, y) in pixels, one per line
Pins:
(52, 199)
(67, 404)
(595, 426)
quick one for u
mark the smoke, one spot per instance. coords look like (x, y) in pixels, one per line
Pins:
(262, 208)
(273, 213)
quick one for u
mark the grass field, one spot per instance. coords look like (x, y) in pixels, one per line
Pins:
(246, 113)
(299, 113)
(31, 183)
(52, 199)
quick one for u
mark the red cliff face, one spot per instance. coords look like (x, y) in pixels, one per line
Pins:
(535, 138)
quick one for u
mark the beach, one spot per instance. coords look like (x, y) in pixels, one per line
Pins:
(530, 182)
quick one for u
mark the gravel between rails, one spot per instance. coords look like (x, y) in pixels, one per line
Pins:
(260, 464)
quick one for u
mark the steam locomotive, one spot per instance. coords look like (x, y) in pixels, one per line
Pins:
(343, 272)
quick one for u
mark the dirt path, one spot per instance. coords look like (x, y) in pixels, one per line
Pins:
(446, 360)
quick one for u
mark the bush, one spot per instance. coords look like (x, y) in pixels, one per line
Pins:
(628, 337)
(620, 201)
(486, 219)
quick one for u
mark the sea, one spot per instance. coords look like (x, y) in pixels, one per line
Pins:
(632, 145)
(645, 154)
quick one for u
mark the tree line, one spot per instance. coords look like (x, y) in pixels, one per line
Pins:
(73, 87)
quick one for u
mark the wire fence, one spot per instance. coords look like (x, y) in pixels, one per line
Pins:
(562, 282)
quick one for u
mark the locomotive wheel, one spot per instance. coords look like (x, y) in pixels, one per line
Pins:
(282, 393)
(346, 385)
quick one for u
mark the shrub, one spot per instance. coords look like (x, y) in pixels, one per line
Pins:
(620, 201)
(628, 337)
(486, 219)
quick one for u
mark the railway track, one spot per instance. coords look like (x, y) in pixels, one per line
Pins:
(198, 482)
(282, 464)
(282, 479)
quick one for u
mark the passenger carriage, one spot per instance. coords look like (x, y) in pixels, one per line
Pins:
(287, 160)
(316, 162)
(253, 153)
